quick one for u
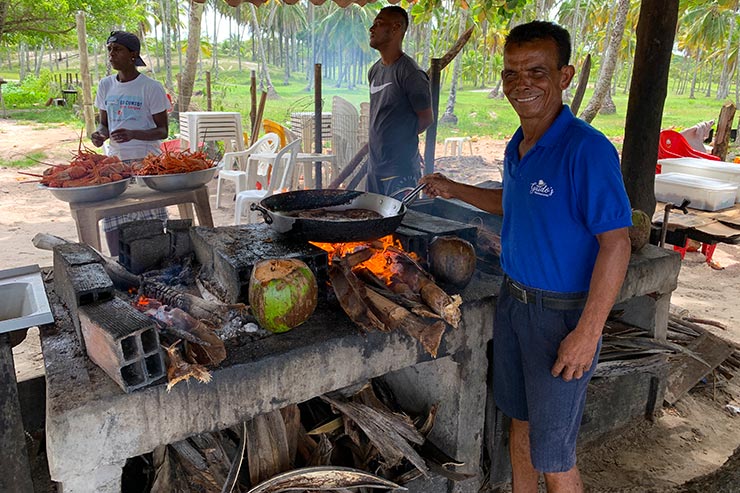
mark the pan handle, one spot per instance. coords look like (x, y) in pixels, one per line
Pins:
(413, 194)
(265, 213)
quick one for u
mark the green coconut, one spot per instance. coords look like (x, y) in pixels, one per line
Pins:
(282, 294)
(640, 230)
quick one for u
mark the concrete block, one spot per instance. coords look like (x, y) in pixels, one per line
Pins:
(179, 233)
(143, 245)
(79, 278)
(123, 342)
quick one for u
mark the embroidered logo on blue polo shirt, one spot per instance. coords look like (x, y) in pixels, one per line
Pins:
(541, 188)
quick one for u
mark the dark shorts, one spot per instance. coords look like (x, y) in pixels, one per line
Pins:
(526, 338)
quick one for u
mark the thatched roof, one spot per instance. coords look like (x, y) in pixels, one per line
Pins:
(341, 3)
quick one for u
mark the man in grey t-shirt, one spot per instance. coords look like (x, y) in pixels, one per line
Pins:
(400, 107)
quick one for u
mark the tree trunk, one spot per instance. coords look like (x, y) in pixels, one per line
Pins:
(708, 93)
(449, 114)
(656, 28)
(692, 94)
(167, 44)
(191, 55)
(610, 61)
(3, 14)
(723, 88)
(265, 79)
(312, 56)
(214, 49)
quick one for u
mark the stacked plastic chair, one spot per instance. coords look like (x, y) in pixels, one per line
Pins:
(197, 127)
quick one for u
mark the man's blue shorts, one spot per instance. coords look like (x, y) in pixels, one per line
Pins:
(526, 338)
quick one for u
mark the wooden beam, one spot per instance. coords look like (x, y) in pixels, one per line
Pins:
(724, 126)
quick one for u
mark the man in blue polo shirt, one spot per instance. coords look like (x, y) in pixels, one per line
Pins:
(565, 249)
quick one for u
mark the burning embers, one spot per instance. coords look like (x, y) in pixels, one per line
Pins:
(382, 287)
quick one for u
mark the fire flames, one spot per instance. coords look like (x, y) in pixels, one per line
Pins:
(379, 264)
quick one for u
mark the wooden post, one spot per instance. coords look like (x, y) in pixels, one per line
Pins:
(253, 95)
(258, 119)
(16, 474)
(88, 112)
(317, 122)
(209, 100)
(431, 136)
(656, 28)
(724, 126)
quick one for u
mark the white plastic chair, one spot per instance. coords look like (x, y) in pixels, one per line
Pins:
(235, 166)
(281, 178)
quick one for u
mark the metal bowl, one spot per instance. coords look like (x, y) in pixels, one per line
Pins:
(93, 193)
(178, 181)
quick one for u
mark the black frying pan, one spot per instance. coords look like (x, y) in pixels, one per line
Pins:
(279, 211)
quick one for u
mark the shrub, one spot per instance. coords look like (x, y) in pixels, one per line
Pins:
(33, 90)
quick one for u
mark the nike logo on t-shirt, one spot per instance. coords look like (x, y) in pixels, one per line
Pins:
(375, 89)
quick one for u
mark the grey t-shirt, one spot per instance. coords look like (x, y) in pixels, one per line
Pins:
(397, 92)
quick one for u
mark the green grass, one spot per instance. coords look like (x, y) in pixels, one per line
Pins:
(25, 161)
(477, 114)
(46, 115)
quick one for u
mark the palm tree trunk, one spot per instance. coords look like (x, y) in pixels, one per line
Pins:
(214, 51)
(723, 89)
(167, 42)
(610, 61)
(449, 114)
(697, 61)
(191, 55)
(265, 80)
(3, 14)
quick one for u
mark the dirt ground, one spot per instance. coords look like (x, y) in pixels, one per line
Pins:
(691, 439)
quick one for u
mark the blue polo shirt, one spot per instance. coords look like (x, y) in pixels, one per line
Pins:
(564, 191)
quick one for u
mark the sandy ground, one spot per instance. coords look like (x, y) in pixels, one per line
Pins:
(690, 439)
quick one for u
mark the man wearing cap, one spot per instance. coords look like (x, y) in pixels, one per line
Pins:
(133, 115)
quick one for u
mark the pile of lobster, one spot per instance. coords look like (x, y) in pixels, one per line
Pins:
(87, 168)
(172, 162)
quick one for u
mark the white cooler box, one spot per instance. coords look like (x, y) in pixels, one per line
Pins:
(704, 193)
(718, 170)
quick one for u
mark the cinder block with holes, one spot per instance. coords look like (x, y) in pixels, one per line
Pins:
(80, 279)
(123, 342)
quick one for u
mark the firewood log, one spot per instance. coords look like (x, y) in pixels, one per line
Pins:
(448, 307)
(350, 293)
(396, 316)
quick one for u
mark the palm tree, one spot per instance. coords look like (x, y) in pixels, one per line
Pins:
(187, 80)
(345, 30)
(449, 114)
(264, 70)
(609, 61)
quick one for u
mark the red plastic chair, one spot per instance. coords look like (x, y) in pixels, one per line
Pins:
(672, 144)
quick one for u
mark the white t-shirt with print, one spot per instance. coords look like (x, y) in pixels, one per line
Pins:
(130, 105)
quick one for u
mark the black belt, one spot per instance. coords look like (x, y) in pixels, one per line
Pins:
(530, 296)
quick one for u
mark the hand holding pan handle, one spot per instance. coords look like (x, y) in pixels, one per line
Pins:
(411, 196)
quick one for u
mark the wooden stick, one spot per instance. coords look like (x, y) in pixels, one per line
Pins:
(452, 52)
(258, 119)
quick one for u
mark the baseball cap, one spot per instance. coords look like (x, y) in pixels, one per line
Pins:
(128, 40)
